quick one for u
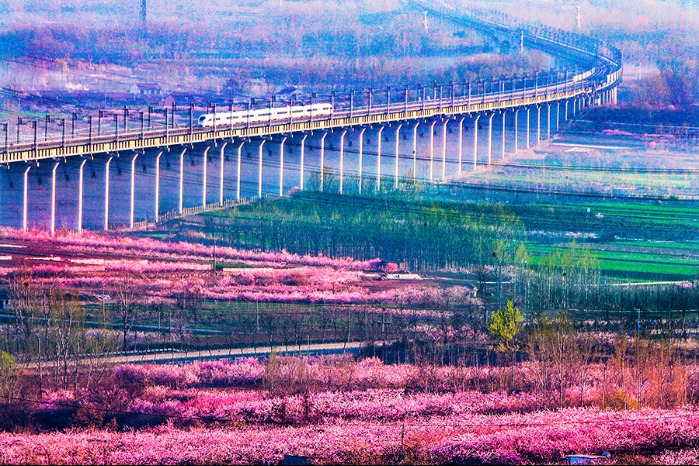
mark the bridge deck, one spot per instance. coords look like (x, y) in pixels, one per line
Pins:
(447, 107)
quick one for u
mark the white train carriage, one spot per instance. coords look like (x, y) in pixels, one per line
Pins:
(264, 115)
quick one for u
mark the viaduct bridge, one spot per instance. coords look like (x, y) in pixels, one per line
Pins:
(110, 175)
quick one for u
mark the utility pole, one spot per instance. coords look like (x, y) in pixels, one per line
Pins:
(144, 12)
(578, 25)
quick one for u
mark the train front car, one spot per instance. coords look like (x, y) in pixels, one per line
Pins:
(205, 120)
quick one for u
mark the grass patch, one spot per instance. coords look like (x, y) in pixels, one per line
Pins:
(631, 262)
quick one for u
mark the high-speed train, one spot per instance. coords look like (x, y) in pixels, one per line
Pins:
(264, 115)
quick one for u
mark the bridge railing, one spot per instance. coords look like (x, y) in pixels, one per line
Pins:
(466, 93)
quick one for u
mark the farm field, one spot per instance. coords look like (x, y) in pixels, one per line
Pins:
(632, 201)
(336, 410)
(638, 263)
(517, 315)
(145, 294)
(633, 239)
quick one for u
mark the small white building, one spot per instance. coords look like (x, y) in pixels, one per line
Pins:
(146, 89)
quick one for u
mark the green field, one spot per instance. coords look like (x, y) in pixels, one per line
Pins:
(636, 212)
(629, 261)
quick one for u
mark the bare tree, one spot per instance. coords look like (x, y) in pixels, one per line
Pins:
(125, 303)
(67, 329)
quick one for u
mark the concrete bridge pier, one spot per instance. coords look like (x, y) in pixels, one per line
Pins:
(107, 187)
(29, 195)
(205, 176)
(117, 190)
(89, 199)
(538, 124)
(14, 207)
(420, 167)
(397, 167)
(417, 124)
(490, 138)
(475, 142)
(558, 115)
(25, 198)
(239, 168)
(343, 133)
(461, 145)
(229, 158)
(379, 142)
(194, 176)
(548, 121)
(132, 190)
(360, 149)
(504, 133)
(118, 185)
(302, 162)
(249, 167)
(291, 162)
(528, 128)
(431, 172)
(222, 173)
(52, 206)
(81, 193)
(516, 131)
(156, 202)
(322, 160)
(272, 164)
(65, 203)
(281, 167)
(12, 201)
(259, 168)
(180, 180)
(143, 183)
(404, 150)
(169, 180)
(444, 148)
